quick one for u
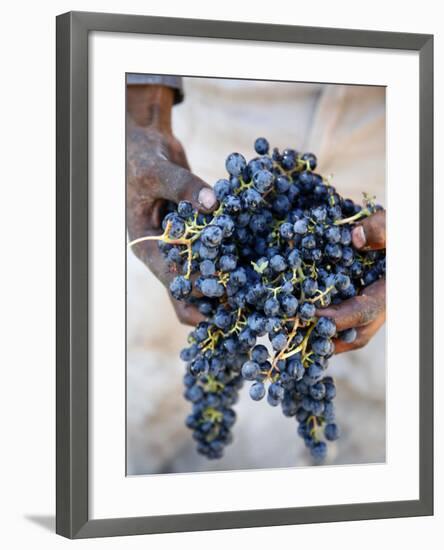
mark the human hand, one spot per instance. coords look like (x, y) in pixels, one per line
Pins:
(366, 312)
(158, 173)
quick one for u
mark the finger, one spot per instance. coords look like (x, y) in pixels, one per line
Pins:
(186, 313)
(359, 310)
(179, 184)
(149, 253)
(370, 233)
(364, 335)
(179, 157)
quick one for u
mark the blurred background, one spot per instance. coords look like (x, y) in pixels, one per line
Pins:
(345, 127)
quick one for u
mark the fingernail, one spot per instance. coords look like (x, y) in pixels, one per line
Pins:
(207, 198)
(358, 237)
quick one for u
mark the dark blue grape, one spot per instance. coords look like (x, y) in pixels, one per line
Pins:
(326, 327)
(250, 370)
(252, 199)
(261, 146)
(276, 391)
(194, 394)
(259, 354)
(177, 227)
(311, 160)
(315, 372)
(330, 391)
(271, 307)
(322, 346)
(212, 288)
(256, 323)
(295, 369)
(348, 256)
(263, 181)
(212, 236)
(348, 335)
(281, 205)
(279, 342)
(333, 252)
(199, 365)
(317, 391)
(180, 287)
(309, 287)
(309, 242)
(319, 451)
(226, 223)
(294, 259)
(232, 204)
(331, 432)
(282, 184)
(185, 209)
(307, 311)
(329, 412)
(235, 164)
(278, 263)
(289, 305)
(286, 231)
(223, 319)
(349, 292)
(288, 161)
(346, 237)
(227, 262)
(207, 268)
(333, 234)
(301, 227)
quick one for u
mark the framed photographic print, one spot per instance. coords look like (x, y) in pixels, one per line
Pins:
(234, 344)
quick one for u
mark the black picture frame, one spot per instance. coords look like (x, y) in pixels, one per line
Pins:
(72, 518)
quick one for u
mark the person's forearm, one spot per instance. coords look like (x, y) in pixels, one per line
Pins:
(157, 175)
(150, 106)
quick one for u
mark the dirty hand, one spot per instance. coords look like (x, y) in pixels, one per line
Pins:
(365, 312)
(158, 173)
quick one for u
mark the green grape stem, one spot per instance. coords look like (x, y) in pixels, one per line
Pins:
(364, 213)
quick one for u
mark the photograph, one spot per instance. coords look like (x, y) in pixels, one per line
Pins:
(235, 349)
(208, 343)
(255, 274)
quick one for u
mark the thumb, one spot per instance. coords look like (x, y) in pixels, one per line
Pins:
(178, 184)
(359, 310)
(370, 233)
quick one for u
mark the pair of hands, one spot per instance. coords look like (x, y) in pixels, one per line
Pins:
(158, 172)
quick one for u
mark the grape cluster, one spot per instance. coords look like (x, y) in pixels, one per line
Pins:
(277, 249)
